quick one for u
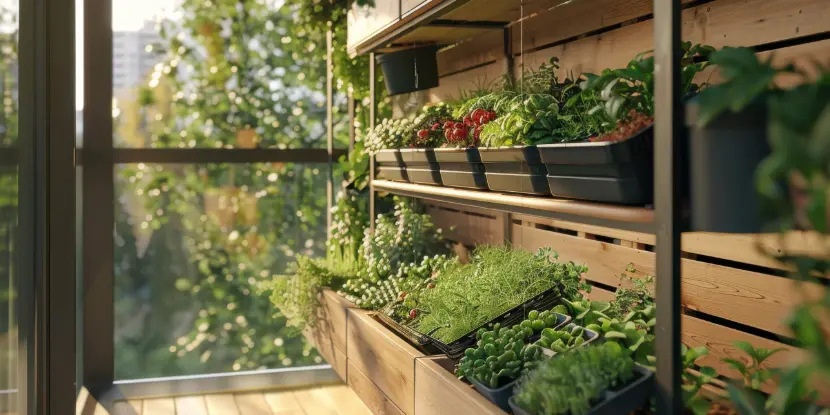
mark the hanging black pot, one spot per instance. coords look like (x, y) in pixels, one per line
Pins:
(410, 70)
(723, 157)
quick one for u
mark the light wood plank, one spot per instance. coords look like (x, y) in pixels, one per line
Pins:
(283, 403)
(439, 392)
(159, 406)
(191, 405)
(315, 403)
(252, 403)
(751, 298)
(386, 358)
(347, 401)
(133, 407)
(223, 404)
(370, 394)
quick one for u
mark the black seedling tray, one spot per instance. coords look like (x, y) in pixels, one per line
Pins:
(421, 341)
(461, 167)
(391, 166)
(500, 397)
(515, 170)
(542, 301)
(629, 398)
(421, 166)
(612, 172)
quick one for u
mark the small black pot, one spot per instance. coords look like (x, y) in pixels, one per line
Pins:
(515, 169)
(612, 172)
(723, 157)
(461, 167)
(410, 70)
(630, 398)
(421, 165)
(500, 397)
(391, 166)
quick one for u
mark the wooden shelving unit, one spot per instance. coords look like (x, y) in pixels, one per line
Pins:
(615, 216)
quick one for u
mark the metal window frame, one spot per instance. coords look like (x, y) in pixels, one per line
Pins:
(96, 162)
(45, 261)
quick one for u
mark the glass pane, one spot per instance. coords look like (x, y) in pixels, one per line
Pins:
(190, 75)
(8, 206)
(192, 245)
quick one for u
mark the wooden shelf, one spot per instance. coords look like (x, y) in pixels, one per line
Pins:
(638, 219)
(446, 22)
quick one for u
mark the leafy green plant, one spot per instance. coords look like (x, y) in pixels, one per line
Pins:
(499, 357)
(403, 287)
(297, 295)
(627, 94)
(499, 278)
(563, 339)
(746, 78)
(755, 375)
(570, 383)
(694, 378)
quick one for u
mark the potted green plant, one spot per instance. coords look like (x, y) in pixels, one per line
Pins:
(495, 364)
(427, 133)
(459, 158)
(525, 115)
(612, 161)
(384, 142)
(591, 380)
(728, 140)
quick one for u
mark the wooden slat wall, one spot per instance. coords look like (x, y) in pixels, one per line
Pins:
(588, 36)
(728, 294)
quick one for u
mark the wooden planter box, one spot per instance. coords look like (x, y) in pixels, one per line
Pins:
(388, 361)
(329, 336)
(439, 392)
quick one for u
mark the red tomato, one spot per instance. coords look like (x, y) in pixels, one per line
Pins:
(436, 126)
(413, 313)
(423, 133)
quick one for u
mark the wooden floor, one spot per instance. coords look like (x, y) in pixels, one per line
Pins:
(324, 400)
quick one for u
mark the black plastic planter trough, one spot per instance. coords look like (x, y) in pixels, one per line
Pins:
(515, 170)
(612, 172)
(627, 399)
(421, 165)
(410, 70)
(391, 166)
(461, 167)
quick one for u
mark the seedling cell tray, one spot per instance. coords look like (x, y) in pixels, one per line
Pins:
(500, 397)
(461, 167)
(421, 166)
(628, 399)
(542, 301)
(421, 341)
(515, 170)
(391, 166)
(611, 172)
(589, 335)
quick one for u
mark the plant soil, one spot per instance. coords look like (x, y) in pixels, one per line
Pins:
(634, 123)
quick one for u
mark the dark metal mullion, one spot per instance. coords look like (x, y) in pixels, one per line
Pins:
(669, 122)
(98, 199)
(212, 155)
